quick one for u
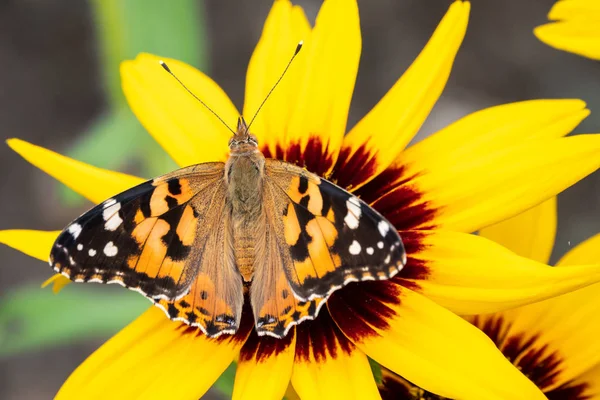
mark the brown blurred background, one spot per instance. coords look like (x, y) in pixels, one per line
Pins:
(50, 91)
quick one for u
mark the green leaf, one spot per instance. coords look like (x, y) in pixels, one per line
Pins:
(32, 318)
(127, 27)
(225, 382)
(376, 370)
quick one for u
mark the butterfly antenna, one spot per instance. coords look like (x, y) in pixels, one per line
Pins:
(275, 85)
(166, 67)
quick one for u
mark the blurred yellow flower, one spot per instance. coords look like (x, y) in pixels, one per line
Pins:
(576, 27)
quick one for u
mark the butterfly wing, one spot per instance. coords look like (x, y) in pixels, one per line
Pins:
(275, 307)
(168, 239)
(321, 238)
(216, 297)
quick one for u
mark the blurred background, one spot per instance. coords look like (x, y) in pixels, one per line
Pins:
(59, 88)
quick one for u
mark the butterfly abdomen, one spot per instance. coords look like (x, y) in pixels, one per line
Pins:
(245, 174)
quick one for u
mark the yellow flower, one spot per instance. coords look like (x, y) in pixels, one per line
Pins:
(483, 169)
(553, 342)
(576, 27)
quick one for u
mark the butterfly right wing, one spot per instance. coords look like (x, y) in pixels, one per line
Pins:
(143, 238)
(165, 238)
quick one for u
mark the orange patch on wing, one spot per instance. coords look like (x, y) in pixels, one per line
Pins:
(318, 249)
(141, 232)
(330, 216)
(291, 226)
(154, 250)
(173, 269)
(159, 202)
(294, 190)
(328, 230)
(186, 229)
(139, 217)
(305, 270)
(315, 199)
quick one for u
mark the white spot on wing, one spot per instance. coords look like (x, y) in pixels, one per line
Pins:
(354, 248)
(110, 249)
(74, 230)
(380, 245)
(387, 259)
(79, 247)
(111, 216)
(383, 227)
(352, 217)
(113, 223)
(109, 203)
(92, 252)
(370, 251)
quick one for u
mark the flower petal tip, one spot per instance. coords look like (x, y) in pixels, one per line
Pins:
(464, 6)
(16, 144)
(58, 282)
(34, 243)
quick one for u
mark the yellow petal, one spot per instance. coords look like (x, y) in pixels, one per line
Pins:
(484, 131)
(331, 55)
(375, 142)
(95, 184)
(264, 367)
(568, 9)
(586, 252)
(58, 282)
(36, 244)
(344, 373)
(575, 36)
(187, 130)
(529, 234)
(488, 188)
(152, 357)
(471, 140)
(437, 350)
(469, 274)
(284, 28)
(578, 30)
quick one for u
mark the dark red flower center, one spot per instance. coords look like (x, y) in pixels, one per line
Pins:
(528, 352)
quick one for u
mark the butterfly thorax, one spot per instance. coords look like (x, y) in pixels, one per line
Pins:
(244, 178)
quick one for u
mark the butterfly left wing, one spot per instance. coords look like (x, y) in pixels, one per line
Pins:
(143, 238)
(321, 238)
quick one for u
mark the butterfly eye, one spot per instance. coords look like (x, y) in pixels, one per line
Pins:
(253, 139)
(232, 141)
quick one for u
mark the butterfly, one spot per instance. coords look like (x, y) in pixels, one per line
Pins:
(200, 240)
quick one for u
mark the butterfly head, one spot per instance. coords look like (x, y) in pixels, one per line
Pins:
(243, 141)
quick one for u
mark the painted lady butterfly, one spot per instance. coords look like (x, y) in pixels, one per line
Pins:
(196, 240)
